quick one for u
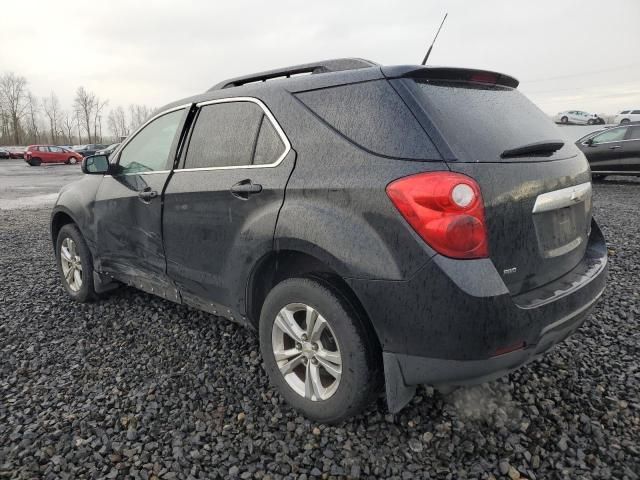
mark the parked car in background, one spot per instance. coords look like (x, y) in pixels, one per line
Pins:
(627, 116)
(16, 152)
(90, 149)
(109, 150)
(578, 117)
(38, 154)
(614, 151)
(4, 153)
(364, 238)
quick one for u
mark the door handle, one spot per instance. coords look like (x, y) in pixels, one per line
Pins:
(147, 194)
(615, 146)
(245, 188)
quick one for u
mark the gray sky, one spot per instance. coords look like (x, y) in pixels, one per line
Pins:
(581, 54)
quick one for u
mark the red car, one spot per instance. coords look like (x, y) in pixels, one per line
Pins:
(37, 154)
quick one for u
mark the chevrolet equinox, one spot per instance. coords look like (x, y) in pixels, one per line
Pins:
(377, 226)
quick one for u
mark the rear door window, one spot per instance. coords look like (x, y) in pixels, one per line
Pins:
(479, 122)
(233, 134)
(224, 135)
(613, 135)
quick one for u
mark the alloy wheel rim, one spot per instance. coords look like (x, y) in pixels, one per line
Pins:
(306, 351)
(71, 264)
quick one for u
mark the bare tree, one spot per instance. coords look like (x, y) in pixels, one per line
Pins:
(13, 95)
(85, 105)
(52, 111)
(138, 114)
(68, 122)
(97, 119)
(117, 123)
(5, 124)
(33, 109)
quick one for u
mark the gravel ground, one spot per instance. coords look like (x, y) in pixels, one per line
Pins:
(134, 386)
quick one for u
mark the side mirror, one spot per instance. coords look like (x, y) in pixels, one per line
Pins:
(95, 164)
(589, 142)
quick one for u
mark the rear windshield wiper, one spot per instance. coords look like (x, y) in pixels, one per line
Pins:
(536, 148)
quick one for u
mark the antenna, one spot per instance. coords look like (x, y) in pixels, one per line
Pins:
(426, 57)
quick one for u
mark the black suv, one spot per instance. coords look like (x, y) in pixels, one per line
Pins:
(90, 149)
(613, 151)
(376, 225)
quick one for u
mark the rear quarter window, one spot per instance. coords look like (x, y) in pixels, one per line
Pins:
(372, 116)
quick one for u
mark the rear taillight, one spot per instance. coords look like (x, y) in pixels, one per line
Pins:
(446, 210)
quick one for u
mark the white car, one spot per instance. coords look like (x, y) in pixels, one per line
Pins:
(577, 116)
(627, 116)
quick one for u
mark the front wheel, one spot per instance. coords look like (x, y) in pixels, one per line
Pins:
(72, 161)
(75, 264)
(624, 120)
(590, 122)
(564, 120)
(35, 162)
(318, 350)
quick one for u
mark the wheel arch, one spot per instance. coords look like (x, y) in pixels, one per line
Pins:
(278, 266)
(59, 218)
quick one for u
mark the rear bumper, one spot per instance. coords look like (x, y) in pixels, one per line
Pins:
(438, 371)
(448, 325)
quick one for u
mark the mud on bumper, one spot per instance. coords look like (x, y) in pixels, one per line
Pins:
(452, 322)
(404, 372)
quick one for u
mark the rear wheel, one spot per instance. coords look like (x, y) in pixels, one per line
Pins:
(564, 120)
(75, 263)
(318, 351)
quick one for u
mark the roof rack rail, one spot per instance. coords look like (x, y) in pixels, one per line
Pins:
(335, 65)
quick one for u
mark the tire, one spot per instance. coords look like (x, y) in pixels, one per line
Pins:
(35, 162)
(590, 122)
(71, 161)
(347, 336)
(624, 120)
(564, 120)
(78, 255)
(597, 177)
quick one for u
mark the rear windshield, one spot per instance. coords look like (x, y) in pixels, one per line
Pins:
(479, 122)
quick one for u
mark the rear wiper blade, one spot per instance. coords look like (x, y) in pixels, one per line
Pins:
(536, 148)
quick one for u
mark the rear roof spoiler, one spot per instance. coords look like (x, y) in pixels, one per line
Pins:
(325, 66)
(451, 74)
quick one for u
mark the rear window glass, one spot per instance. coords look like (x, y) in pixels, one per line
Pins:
(374, 117)
(479, 122)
